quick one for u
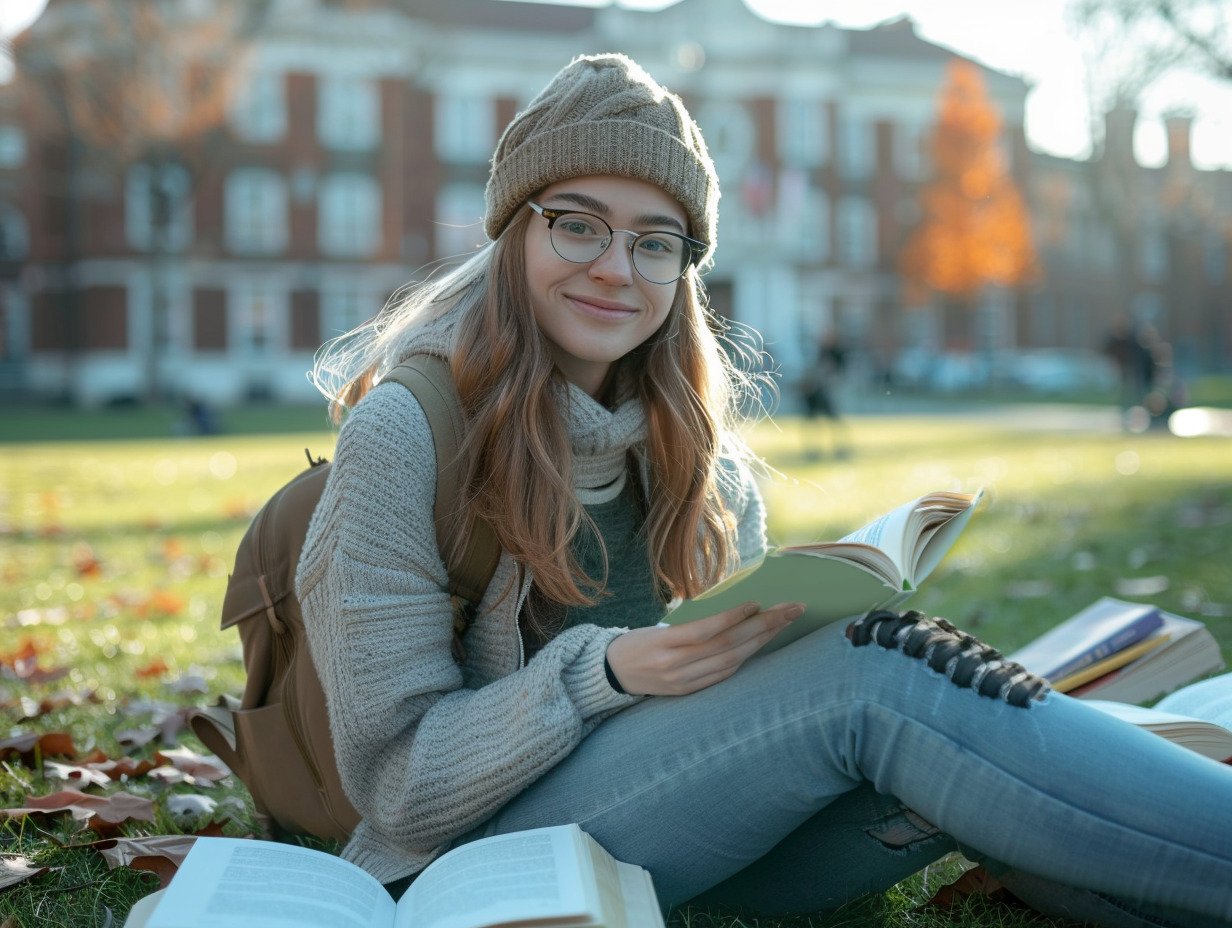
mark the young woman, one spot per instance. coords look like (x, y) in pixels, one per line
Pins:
(599, 450)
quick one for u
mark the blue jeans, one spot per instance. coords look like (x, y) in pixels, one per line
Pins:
(783, 788)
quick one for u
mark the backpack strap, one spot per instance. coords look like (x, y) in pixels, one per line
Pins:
(428, 377)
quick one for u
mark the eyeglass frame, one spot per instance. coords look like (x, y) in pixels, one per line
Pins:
(696, 247)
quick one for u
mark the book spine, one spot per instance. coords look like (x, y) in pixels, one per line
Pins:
(1131, 634)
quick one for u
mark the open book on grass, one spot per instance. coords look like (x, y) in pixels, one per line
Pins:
(1198, 716)
(555, 876)
(877, 566)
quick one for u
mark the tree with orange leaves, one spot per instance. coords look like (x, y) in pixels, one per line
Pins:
(975, 230)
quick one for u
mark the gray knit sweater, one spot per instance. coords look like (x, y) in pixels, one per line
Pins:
(428, 749)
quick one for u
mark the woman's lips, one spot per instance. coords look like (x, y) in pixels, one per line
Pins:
(599, 308)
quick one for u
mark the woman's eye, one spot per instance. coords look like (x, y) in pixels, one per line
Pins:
(574, 226)
(656, 244)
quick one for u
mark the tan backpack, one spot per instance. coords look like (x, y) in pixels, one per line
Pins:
(276, 738)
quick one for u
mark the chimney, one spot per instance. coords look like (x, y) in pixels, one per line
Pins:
(1179, 126)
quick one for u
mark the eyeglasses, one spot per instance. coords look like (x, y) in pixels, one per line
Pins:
(659, 257)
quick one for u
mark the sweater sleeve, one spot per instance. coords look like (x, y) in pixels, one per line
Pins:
(422, 757)
(744, 501)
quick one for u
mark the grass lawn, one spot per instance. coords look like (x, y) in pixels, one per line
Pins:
(115, 556)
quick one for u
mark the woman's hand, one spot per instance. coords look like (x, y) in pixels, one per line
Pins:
(678, 659)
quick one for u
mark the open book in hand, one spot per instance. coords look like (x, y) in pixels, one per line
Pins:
(557, 876)
(877, 566)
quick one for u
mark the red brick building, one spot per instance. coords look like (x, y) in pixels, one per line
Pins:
(353, 152)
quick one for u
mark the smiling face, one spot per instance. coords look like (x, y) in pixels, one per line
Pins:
(594, 314)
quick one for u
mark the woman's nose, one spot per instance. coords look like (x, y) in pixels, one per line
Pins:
(616, 262)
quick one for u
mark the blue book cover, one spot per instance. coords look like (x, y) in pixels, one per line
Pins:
(1102, 628)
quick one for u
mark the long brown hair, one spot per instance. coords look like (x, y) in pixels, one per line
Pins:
(513, 399)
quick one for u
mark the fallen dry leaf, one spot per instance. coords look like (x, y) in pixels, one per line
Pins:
(28, 748)
(117, 767)
(160, 855)
(33, 708)
(132, 738)
(974, 882)
(190, 805)
(189, 683)
(202, 766)
(17, 869)
(100, 813)
(155, 668)
(74, 774)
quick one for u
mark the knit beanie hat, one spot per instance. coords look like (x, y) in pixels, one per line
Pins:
(603, 114)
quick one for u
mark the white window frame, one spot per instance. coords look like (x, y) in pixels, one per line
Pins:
(731, 136)
(348, 112)
(349, 215)
(855, 234)
(259, 107)
(803, 132)
(803, 217)
(856, 148)
(257, 307)
(464, 128)
(255, 211)
(345, 305)
(458, 230)
(139, 181)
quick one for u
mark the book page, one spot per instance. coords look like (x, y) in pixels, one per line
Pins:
(1209, 699)
(527, 876)
(936, 525)
(887, 533)
(641, 903)
(259, 884)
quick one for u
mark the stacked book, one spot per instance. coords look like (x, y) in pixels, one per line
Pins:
(1122, 651)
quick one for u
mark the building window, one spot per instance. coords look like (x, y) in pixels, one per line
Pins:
(803, 139)
(259, 107)
(730, 136)
(803, 217)
(209, 320)
(158, 212)
(12, 147)
(14, 236)
(255, 206)
(258, 311)
(857, 150)
(910, 157)
(856, 232)
(459, 220)
(345, 306)
(349, 224)
(348, 113)
(465, 128)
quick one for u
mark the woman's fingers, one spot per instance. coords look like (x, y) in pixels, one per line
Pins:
(681, 659)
